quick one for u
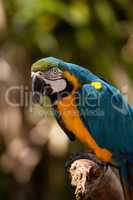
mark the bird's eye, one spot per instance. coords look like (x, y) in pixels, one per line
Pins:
(55, 70)
(40, 73)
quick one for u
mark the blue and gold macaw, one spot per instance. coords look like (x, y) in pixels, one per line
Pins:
(88, 108)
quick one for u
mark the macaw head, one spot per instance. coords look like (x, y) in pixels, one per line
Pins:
(55, 78)
(48, 78)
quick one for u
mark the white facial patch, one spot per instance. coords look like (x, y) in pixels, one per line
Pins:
(57, 85)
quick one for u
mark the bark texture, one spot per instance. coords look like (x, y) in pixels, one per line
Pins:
(93, 179)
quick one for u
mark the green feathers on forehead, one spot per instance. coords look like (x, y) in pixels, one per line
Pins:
(45, 64)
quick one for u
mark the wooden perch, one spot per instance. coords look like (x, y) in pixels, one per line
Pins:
(93, 179)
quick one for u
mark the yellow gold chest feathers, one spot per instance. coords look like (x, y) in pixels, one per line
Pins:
(71, 118)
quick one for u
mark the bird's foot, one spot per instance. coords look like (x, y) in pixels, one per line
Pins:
(103, 154)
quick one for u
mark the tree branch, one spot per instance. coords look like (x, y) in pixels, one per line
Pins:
(93, 179)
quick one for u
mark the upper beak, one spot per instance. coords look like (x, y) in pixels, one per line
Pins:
(39, 87)
(33, 76)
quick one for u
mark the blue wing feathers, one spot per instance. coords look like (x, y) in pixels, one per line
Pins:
(108, 117)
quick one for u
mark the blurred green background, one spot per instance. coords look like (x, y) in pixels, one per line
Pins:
(97, 34)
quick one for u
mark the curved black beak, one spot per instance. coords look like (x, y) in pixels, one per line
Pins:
(39, 88)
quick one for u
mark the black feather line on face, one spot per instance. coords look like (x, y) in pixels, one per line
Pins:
(66, 92)
(53, 74)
